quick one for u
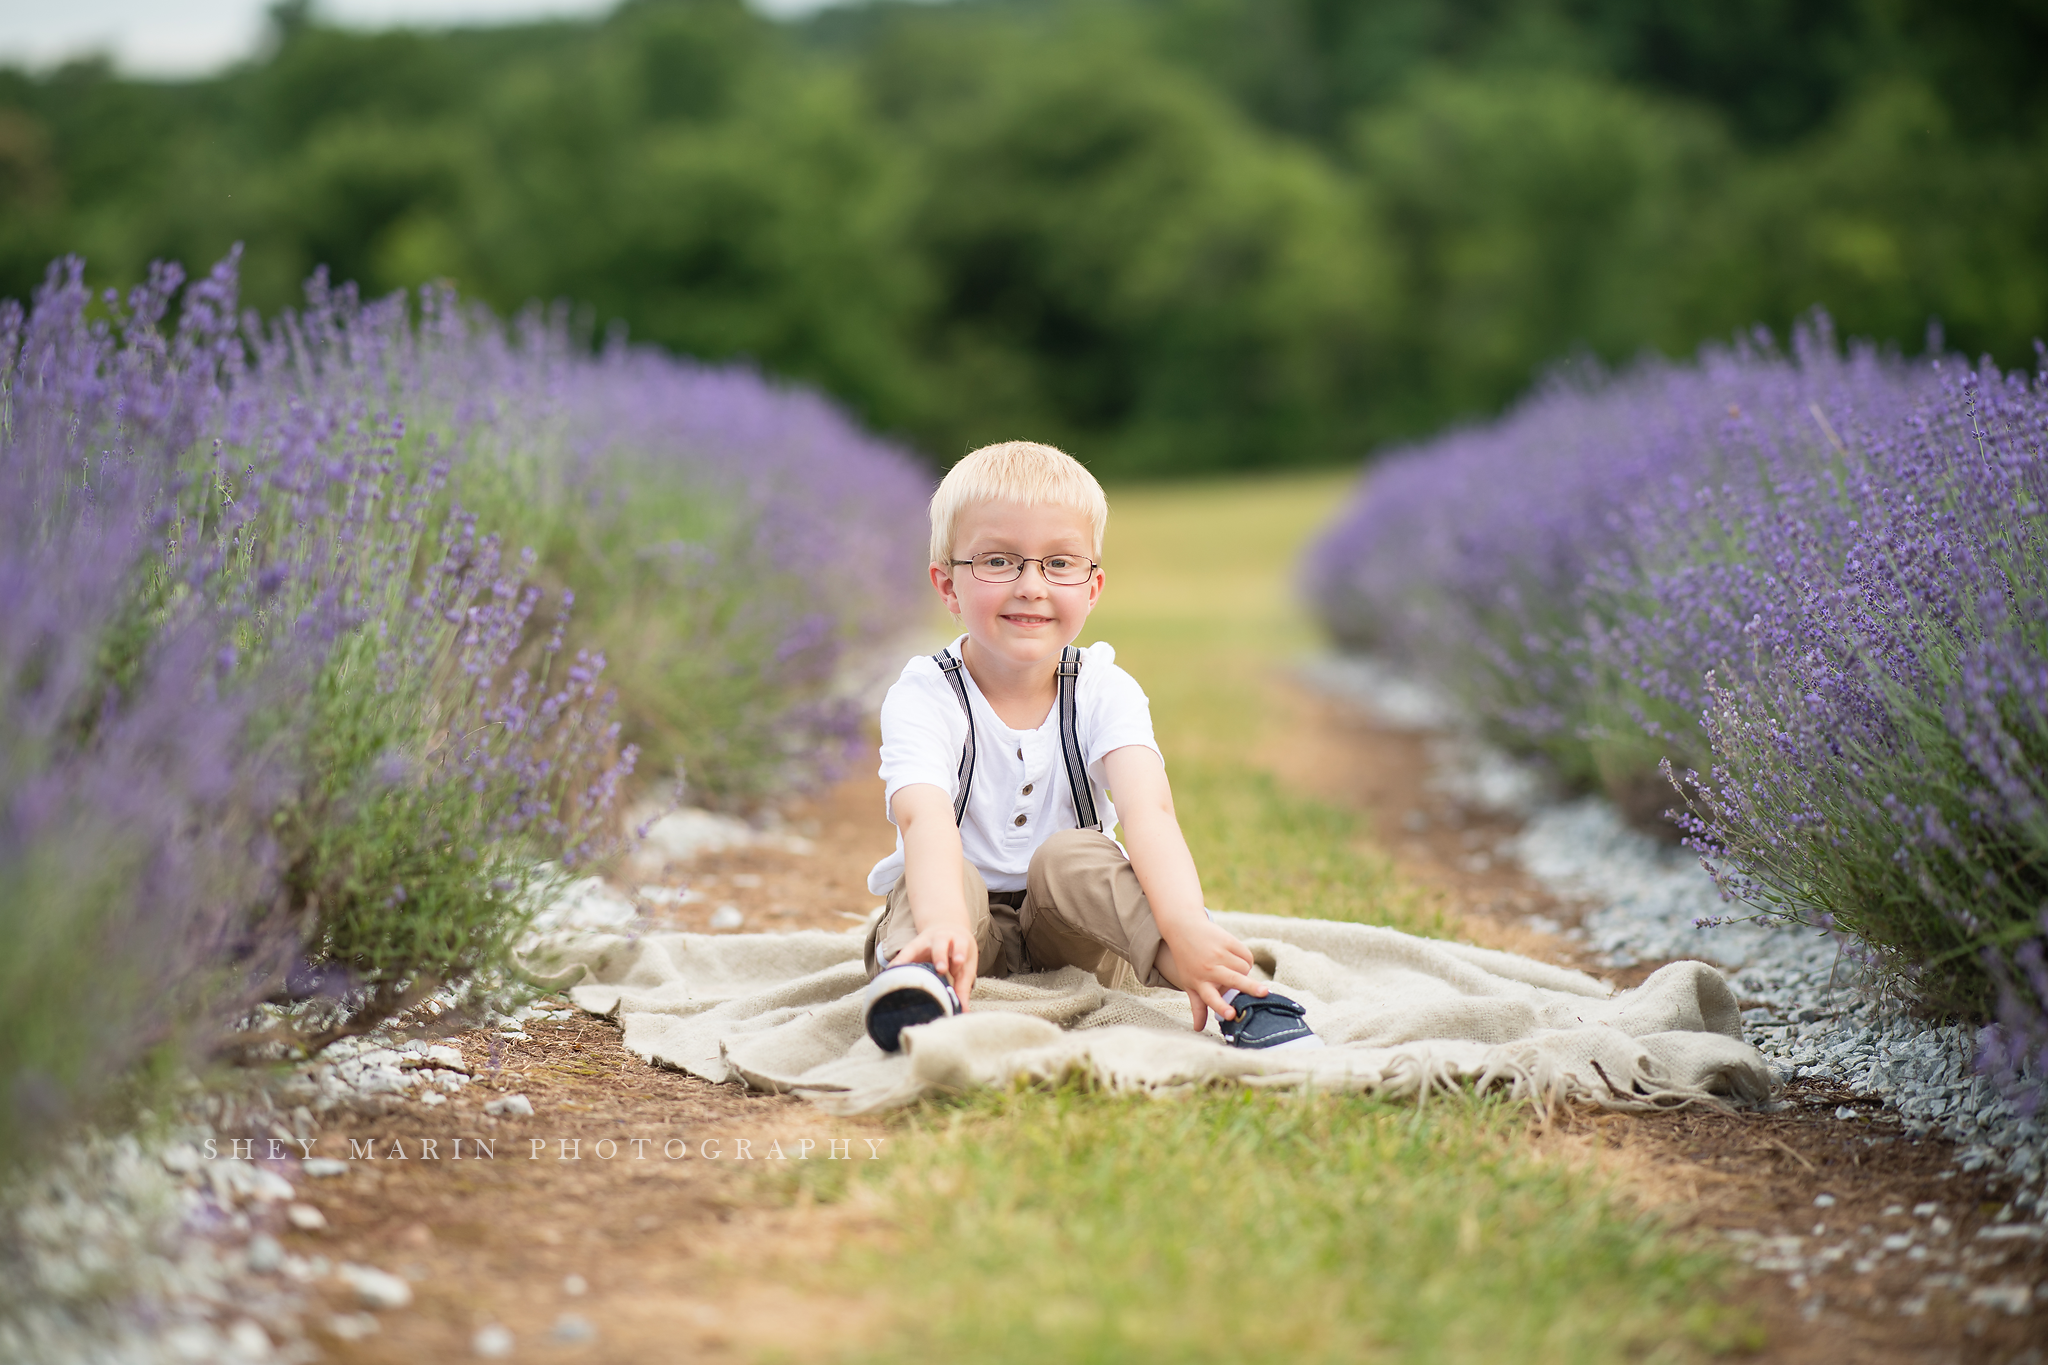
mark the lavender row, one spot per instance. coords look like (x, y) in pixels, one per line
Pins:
(1797, 601)
(293, 702)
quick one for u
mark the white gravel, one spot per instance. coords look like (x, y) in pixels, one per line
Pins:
(1813, 1011)
(161, 1245)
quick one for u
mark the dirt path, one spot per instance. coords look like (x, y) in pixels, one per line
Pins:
(639, 1214)
(712, 1254)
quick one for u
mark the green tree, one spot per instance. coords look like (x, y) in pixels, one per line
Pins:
(1122, 264)
(1532, 215)
(1174, 234)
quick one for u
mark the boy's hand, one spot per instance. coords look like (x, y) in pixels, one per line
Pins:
(950, 948)
(1205, 960)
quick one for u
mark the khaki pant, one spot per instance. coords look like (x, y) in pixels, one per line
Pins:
(1081, 907)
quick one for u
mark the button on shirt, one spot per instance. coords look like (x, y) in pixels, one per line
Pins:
(1020, 796)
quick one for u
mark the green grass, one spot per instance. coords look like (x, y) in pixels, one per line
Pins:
(1037, 1226)
(1074, 1227)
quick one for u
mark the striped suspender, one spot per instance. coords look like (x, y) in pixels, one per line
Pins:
(950, 666)
(1070, 740)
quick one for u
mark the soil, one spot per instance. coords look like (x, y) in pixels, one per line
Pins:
(672, 1200)
(714, 1257)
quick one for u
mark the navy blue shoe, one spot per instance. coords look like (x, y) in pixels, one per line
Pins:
(1267, 1021)
(904, 997)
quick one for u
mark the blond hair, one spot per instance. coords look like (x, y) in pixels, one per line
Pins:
(1016, 471)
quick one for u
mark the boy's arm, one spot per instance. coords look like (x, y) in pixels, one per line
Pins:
(1198, 956)
(932, 871)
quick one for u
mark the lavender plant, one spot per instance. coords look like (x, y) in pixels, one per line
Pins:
(1504, 558)
(730, 541)
(283, 710)
(133, 849)
(1878, 767)
(438, 783)
(747, 540)
(1817, 578)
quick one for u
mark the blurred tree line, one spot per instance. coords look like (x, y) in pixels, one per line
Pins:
(1173, 235)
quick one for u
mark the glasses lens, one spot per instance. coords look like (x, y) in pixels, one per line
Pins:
(1067, 569)
(997, 567)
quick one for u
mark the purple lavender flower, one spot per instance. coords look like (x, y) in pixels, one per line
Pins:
(1815, 586)
(282, 708)
(132, 789)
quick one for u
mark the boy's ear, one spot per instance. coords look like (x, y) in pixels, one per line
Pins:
(942, 580)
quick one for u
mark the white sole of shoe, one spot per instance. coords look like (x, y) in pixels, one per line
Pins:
(910, 977)
(928, 1000)
(1299, 1044)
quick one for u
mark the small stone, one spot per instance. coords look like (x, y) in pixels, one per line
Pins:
(375, 1288)
(1941, 1226)
(575, 1286)
(1823, 1201)
(2012, 1299)
(510, 1106)
(268, 1186)
(1846, 1112)
(180, 1159)
(1894, 1211)
(727, 917)
(249, 1340)
(1926, 1210)
(352, 1326)
(194, 1341)
(320, 1167)
(572, 1330)
(383, 1080)
(264, 1255)
(305, 1217)
(493, 1342)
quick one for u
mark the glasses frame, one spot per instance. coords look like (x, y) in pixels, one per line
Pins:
(1022, 560)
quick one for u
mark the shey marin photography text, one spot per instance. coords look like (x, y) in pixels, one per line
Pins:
(322, 1156)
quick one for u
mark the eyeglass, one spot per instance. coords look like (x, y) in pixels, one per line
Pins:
(1000, 566)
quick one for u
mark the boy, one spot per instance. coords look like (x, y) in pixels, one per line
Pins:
(999, 757)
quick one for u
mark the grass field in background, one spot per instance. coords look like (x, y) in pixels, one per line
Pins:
(1201, 607)
(1065, 1226)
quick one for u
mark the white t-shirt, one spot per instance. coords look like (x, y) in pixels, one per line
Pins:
(1020, 794)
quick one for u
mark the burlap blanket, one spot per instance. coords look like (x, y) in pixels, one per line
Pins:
(1402, 1016)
